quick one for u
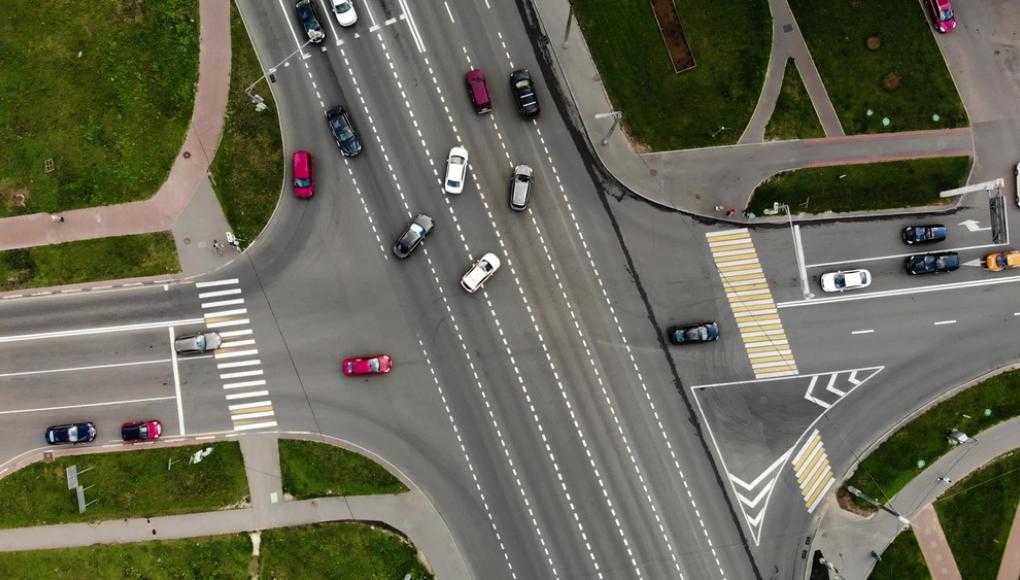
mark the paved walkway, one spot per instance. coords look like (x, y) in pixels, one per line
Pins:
(187, 176)
(699, 180)
(410, 512)
(847, 540)
(934, 546)
(1009, 569)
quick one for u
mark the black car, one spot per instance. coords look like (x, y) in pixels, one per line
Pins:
(344, 133)
(928, 234)
(933, 263)
(309, 21)
(416, 232)
(73, 433)
(524, 92)
(693, 333)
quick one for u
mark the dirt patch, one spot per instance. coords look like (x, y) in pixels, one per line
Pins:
(673, 35)
(13, 199)
(891, 82)
(846, 501)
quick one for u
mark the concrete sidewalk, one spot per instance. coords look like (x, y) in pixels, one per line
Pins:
(699, 180)
(410, 512)
(184, 183)
(847, 539)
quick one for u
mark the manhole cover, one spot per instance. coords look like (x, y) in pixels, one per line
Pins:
(187, 154)
(787, 28)
(187, 241)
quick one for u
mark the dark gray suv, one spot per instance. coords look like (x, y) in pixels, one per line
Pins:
(416, 232)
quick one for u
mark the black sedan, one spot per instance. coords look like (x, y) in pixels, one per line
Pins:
(309, 20)
(71, 433)
(927, 234)
(419, 228)
(342, 128)
(524, 92)
(933, 263)
(693, 333)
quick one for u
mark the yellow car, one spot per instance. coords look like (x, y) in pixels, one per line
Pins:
(999, 261)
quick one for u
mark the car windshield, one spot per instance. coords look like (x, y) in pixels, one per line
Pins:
(452, 182)
(302, 182)
(72, 432)
(456, 160)
(839, 280)
(373, 364)
(200, 342)
(696, 333)
(416, 230)
(522, 84)
(946, 14)
(344, 130)
(342, 7)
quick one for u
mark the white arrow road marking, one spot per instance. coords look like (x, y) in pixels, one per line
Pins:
(973, 226)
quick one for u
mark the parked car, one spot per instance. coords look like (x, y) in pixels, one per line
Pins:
(367, 364)
(926, 234)
(478, 91)
(933, 263)
(141, 430)
(479, 273)
(842, 281)
(419, 228)
(310, 21)
(693, 333)
(524, 92)
(456, 170)
(301, 167)
(72, 433)
(342, 128)
(1007, 260)
(198, 343)
(942, 15)
(520, 187)
(345, 13)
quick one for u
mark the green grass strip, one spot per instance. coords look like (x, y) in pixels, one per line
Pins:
(867, 187)
(104, 89)
(902, 560)
(248, 168)
(312, 469)
(794, 117)
(89, 261)
(340, 550)
(125, 484)
(216, 557)
(977, 513)
(916, 445)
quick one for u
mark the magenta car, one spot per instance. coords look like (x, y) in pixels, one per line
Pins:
(942, 15)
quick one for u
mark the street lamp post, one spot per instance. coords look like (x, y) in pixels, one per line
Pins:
(570, 18)
(257, 100)
(798, 251)
(616, 116)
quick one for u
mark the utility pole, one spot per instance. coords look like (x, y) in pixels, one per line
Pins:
(257, 100)
(616, 116)
(570, 18)
(858, 493)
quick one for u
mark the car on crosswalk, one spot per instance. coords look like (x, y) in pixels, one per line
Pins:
(198, 343)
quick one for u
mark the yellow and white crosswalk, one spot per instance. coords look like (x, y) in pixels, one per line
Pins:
(814, 475)
(749, 296)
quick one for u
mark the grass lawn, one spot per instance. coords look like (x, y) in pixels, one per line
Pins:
(794, 117)
(105, 90)
(248, 167)
(312, 469)
(338, 550)
(902, 560)
(904, 79)
(976, 515)
(894, 463)
(865, 187)
(89, 261)
(127, 484)
(199, 559)
(730, 41)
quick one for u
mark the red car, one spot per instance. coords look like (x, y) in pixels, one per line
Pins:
(942, 15)
(304, 182)
(478, 91)
(141, 430)
(369, 364)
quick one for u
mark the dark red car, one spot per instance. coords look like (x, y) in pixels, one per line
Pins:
(369, 364)
(304, 181)
(478, 91)
(141, 430)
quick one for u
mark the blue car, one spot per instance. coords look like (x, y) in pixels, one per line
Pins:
(926, 234)
(693, 333)
(72, 433)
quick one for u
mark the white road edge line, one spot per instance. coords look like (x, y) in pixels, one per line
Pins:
(894, 256)
(415, 33)
(87, 368)
(84, 405)
(900, 292)
(177, 383)
(101, 330)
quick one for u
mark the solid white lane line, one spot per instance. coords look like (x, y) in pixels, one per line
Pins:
(86, 368)
(250, 426)
(244, 384)
(225, 282)
(290, 27)
(236, 353)
(241, 374)
(100, 330)
(177, 383)
(224, 313)
(894, 256)
(944, 322)
(257, 415)
(248, 395)
(901, 292)
(238, 322)
(449, 13)
(220, 303)
(864, 331)
(83, 405)
(240, 363)
(216, 293)
(237, 343)
(233, 333)
(241, 406)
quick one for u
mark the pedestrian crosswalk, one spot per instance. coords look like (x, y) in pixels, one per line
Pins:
(237, 362)
(747, 291)
(814, 475)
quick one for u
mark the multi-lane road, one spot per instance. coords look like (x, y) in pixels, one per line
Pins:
(544, 416)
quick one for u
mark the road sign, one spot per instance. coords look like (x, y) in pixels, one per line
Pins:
(997, 208)
(72, 477)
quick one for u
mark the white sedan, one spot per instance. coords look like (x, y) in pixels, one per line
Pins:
(456, 170)
(345, 13)
(849, 280)
(480, 271)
